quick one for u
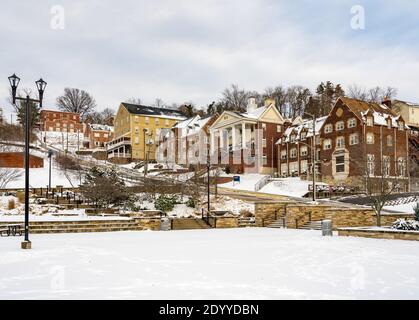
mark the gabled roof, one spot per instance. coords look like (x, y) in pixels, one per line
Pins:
(410, 104)
(307, 126)
(152, 111)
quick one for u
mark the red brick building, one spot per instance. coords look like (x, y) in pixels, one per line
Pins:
(17, 160)
(357, 142)
(52, 120)
(97, 135)
(245, 142)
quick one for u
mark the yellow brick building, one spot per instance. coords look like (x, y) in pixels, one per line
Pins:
(137, 129)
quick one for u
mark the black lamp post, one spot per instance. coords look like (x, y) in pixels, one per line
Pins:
(208, 183)
(313, 153)
(40, 84)
(49, 169)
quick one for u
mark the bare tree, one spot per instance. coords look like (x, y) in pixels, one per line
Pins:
(77, 101)
(159, 103)
(357, 92)
(134, 100)
(8, 175)
(234, 98)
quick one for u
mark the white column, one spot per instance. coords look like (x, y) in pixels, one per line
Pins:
(220, 132)
(212, 142)
(124, 151)
(243, 135)
(233, 137)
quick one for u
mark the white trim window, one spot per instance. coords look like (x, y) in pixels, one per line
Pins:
(401, 166)
(340, 125)
(278, 128)
(370, 122)
(327, 144)
(370, 164)
(328, 128)
(389, 140)
(265, 160)
(340, 164)
(401, 125)
(340, 142)
(386, 165)
(352, 123)
(284, 155)
(304, 151)
(293, 153)
(370, 138)
(353, 139)
(292, 138)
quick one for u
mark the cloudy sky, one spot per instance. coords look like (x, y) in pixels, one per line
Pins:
(181, 50)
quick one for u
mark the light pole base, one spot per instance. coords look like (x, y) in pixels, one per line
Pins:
(26, 245)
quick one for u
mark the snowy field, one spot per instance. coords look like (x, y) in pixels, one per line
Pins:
(252, 263)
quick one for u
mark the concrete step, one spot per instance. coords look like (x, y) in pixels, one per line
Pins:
(82, 230)
(312, 225)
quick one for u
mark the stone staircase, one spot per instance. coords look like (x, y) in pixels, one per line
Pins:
(312, 225)
(36, 227)
(246, 222)
(188, 224)
(277, 224)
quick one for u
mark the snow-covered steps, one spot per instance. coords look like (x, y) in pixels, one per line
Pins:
(312, 225)
(188, 223)
(246, 222)
(277, 224)
(82, 226)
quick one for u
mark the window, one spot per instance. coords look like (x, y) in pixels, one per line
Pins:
(328, 128)
(264, 126)
(389, 123)
(166, 122)
(263, 143)
(278, 128)
(353, 139)
(340, 164)
(97, 135)
(317, 140)
(386, 165)
(105, 135)
(293, 153)
(401, 125)
(136, 140)
(146, 120)
(340, 142)
(370, 164)
(389, 141)
(370, 138)
(327, 144)
(340, 125)
(157, 120)
(57, 124)
(370, 122)
(136, 118)
(304, 151)
(265, 160)
(303, 135)
(303, 166)
(352, 123)
(283, 154)
(293, 138)
(71, 125)
(136, 130)
(401, 166)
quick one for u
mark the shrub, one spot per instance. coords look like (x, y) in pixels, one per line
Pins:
(191, 203)
(402, 224)
(164, 203)
(416, 209)
(11, 204)
(227, 170)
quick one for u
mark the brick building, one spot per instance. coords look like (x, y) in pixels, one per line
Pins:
(245, 142)
(17, 160)
(97, 135)
(295, 147)
(52, 120)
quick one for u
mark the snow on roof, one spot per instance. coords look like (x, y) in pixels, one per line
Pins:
(101, 127)
(297, 129)
(192, 125)
(255, 114)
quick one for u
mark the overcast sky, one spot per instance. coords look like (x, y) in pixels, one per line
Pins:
(191, 50)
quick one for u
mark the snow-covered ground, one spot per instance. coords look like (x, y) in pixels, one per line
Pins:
(294, 187)
(251, 263)
(405, 208)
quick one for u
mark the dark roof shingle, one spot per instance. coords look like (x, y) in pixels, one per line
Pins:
(152, 111)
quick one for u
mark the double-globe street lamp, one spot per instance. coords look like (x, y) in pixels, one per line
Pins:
(40, 84)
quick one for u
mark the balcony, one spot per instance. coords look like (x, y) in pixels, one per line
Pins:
(116, 143)
(119, 155)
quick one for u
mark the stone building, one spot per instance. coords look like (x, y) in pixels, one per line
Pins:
(97, 135)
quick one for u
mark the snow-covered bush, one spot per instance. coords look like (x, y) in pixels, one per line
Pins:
(416, 209)
(165, 203)
(11, 204)
(402, 224)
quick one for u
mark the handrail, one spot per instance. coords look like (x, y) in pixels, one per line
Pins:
(262, 182)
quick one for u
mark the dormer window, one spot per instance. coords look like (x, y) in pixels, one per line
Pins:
(370, 122)
(292, 138)
(303, 135)
(389, 123)
(401, 125)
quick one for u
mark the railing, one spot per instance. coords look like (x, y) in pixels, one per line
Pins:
(262, 182)
(119, 155)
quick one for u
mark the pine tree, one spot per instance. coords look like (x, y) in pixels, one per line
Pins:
(416, 209)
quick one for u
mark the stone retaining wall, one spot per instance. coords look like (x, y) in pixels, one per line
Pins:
(227, 222)
(379, 233)
(297, 214)
(148, 223)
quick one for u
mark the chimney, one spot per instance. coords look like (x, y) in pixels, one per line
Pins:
(251, 104)
(387, 102)
(269, 101)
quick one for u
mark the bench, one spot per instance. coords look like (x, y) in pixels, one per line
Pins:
(11, 230)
